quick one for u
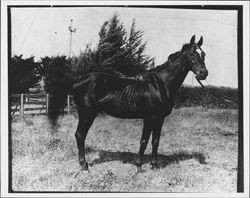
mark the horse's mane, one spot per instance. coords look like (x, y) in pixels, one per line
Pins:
(139, 77)
(171, 57)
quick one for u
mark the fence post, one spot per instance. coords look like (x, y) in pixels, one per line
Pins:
(68, 104)
(47, 103)
(22, 105)
(27, 98)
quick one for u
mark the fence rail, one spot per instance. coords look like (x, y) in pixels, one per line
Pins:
(22, 104)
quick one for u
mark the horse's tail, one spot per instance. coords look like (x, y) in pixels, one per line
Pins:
(58, 98)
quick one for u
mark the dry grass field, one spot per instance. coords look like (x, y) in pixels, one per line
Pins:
(197, 153)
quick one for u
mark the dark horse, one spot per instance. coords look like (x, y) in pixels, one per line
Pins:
(148, 96)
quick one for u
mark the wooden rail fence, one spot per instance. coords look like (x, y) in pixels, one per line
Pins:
(22, 104)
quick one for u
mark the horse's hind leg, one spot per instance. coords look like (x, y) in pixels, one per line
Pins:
(85, 122)
(147, 128)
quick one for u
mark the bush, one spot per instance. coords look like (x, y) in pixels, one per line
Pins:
(57, 72)
(23, 74)
(198, 96)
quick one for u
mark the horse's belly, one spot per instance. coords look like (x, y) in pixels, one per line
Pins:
(126, 113)
(124, 109)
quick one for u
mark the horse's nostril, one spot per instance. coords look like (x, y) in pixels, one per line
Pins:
(203, 72)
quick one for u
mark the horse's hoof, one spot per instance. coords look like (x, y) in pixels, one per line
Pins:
(154, 166)
(85, 167)
(140, 170)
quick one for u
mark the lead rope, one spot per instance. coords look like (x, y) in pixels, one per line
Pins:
(216, 95)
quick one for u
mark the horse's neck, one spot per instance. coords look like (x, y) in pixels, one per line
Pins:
(174, 73)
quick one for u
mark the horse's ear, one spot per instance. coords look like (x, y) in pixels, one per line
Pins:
(200, 41)
(192, 39)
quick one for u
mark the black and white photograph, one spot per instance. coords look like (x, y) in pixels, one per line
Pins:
(125, 98)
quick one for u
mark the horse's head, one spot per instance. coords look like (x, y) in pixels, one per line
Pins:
(196, 58)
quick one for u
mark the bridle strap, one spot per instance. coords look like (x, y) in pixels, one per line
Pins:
(191, 65)
(216, 95)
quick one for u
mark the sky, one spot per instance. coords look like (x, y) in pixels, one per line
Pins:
(43, 32)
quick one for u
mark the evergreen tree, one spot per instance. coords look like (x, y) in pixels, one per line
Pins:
(117, 51)
(110, 51)
(85, 63)
(135, 49)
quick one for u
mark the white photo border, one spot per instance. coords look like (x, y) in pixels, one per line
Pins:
(4, 96)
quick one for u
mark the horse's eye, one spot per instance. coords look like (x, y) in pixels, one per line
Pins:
(192, 50)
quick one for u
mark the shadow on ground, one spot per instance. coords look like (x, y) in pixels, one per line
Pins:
(130, 158)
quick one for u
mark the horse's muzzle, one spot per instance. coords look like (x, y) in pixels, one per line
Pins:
(202, 74)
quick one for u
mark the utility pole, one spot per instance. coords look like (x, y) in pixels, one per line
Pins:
(71, 30)
(192, 79)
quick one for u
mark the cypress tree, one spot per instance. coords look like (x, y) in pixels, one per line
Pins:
(117, 51)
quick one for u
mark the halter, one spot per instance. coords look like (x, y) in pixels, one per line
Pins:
(202, 54)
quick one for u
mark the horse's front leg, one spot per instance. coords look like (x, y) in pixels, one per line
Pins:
(81, 133)
(157, 126)
(147, 128)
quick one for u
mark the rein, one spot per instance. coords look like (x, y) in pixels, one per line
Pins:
(216, 95)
